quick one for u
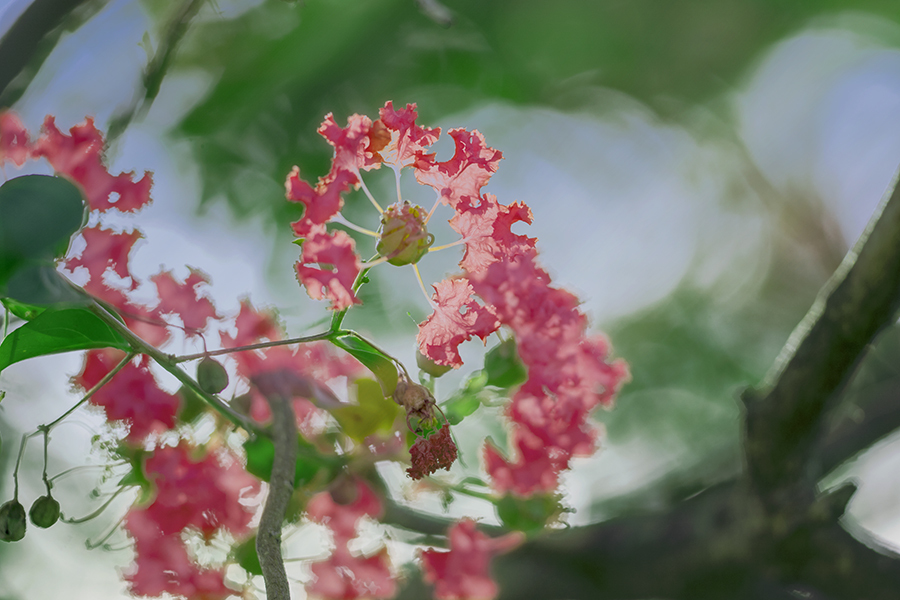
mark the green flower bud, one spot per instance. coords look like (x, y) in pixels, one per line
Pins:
(403, 237)
(211, 376)
(44, 512)
(12, 521)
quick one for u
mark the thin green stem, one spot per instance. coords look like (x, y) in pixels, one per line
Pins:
(91, 545)
(298, 340)
(167, 363)
(338, 317)
(422, 287)
(46, 432)
(71, 470)
(106, 378)
(97, 512)
(25, 438)
(369, 195)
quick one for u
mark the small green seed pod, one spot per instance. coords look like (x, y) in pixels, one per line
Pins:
(12, 521)
(211, 376)
(44, 512)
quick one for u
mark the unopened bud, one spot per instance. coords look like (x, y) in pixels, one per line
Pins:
(403, 237)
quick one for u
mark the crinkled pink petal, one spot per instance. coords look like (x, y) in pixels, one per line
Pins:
(456, 318)
(79, 156)
(14, 143)
(463, 572)
(321, 203)
(486, 227)
(569, 374)
(535, 470)
(408, 140)
(339, 251)
(463, 175)
(350, 143)
(145, 322)
(162, 565)
(182, 299)
(203, 493)
(556, 422)
(253, 326)
(103, 249)
(343, 576)
(132, 395)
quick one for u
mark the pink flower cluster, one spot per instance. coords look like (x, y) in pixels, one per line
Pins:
(569, 372)
(199, 494)
(345, 575)
(462, 572)
(194, 489)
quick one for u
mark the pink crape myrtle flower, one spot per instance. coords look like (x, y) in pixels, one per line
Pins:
(462, 573)
(199, 493)
(345, 575)
(132, 395)
(317, 361)
(78, 156)
(14, 143)
(162, 565)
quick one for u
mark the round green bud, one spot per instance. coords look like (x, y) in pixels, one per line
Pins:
(211, 376)
(403, 237)
(44, 512)
(12, 521)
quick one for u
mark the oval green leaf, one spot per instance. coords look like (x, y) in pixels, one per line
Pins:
(59, 330)
(38, 216)
(372, 358)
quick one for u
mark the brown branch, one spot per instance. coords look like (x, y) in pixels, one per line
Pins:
(785, 416)
(276, 387)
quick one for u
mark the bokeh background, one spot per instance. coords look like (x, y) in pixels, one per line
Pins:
(697, 169)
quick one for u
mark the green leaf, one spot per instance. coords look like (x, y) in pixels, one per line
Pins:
(136, 476)
(40, 284)
(467, 400)
(373, 413)
(528, 514)
(26, 312)
(503, 367)
(246, 556)
(261, 452)
(38, 216)
(374, 359)
(59, 330)
(192, 405)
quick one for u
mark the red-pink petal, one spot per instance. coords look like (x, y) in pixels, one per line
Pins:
(456, 318)
(463, 175)
(463, 572)
(183, 300)
(339, 252)
(14, 143)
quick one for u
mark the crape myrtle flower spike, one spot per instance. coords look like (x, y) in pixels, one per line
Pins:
(501, 284)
